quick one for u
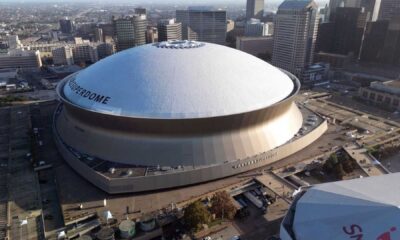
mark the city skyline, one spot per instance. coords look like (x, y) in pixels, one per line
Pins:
(193, 2)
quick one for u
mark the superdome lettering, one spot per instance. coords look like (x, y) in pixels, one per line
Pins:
(355, 231)
(87, 94)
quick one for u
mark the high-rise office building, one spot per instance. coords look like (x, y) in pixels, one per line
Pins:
(255, 28)
(85, 53)
(44, 48)
(124, 33)
(141, 11)
(230, 25)
(18, 58)
(86, 30)
(260, 47)
(382, 42)
(203, 24)
(325, 37)
(295, 30)
(389, 9)
(391, 46)
(254, 9)
(140, 26)
(130, 31)
(107, 29)
(369, 7)
(53, 35)
(62, 56)
(333, 5)
(13, 42)
(374, 37)
(169, 30)
(348, 31)
(66, 26)
(98, 35)
(105, 50)
(151, 34)
(344, 34)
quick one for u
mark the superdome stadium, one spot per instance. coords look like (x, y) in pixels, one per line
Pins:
(178, 113)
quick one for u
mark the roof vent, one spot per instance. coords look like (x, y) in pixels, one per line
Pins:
(179, 44)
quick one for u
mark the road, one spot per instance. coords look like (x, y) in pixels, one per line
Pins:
(226, 234)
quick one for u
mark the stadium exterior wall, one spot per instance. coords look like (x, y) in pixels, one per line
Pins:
(179, 179)
(197, 142)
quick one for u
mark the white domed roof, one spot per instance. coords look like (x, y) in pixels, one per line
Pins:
(171, 82)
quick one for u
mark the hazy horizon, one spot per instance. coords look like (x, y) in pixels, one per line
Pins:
(148, 2)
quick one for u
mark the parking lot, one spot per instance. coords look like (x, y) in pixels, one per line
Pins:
(24, 207)
(261, 210)
(259, 224)
(22, 197)
(47, 160)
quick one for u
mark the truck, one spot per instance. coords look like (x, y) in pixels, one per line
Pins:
(257, 202)
(242, 202)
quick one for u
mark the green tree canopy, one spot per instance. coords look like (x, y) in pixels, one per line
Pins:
(195, 215)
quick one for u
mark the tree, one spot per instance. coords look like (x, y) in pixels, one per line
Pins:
(330, 163)
(339, 172)
(196, 215)
(347, 166)
(333, 158)
(373, 151)
(222, 205)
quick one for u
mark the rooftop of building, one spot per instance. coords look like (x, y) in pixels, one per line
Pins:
(389, 87)
(130, 17)
(318, 65)
(65, 69)
(202, 9)
(393, 83)
(250, 38)
(19, 53)
(6, 74)
(333, 55)
(8, 70)
(297, 4)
